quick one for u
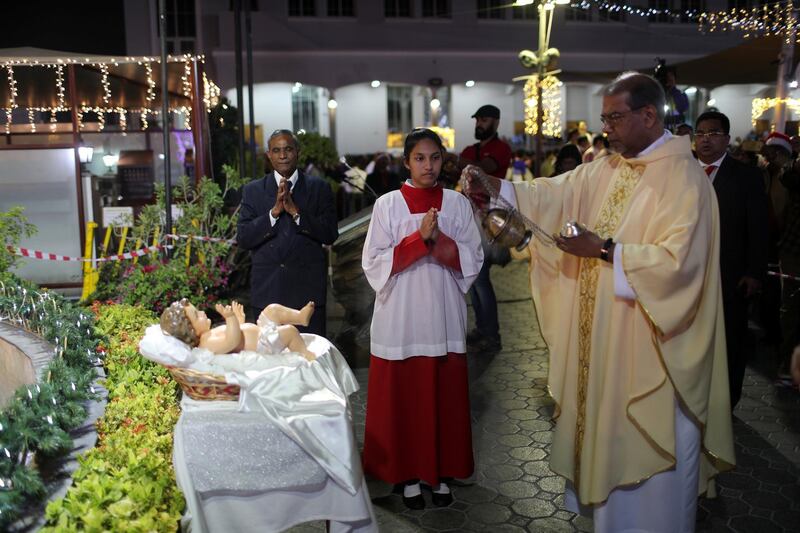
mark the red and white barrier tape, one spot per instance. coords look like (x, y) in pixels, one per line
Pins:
(201, 238)
(36, 254)
(783, 276)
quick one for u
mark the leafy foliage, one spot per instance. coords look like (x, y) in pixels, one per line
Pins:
(39, 417)
(126, 483)
(13, 227)
(198, 270)
(317, 149)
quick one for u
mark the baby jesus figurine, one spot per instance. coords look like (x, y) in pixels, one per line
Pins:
(275, 329)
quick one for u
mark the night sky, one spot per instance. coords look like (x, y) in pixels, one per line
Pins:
(84, 26)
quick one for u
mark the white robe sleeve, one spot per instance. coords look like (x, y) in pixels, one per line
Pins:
(468, 239)
(377, 256)
(622, 289)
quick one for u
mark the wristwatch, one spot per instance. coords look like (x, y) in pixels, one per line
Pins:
(605, 249)
(295, 217)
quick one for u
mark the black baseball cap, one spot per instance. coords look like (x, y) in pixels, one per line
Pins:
(487, 111)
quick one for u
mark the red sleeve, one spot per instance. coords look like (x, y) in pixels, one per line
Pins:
(446, 252)
(410, 250)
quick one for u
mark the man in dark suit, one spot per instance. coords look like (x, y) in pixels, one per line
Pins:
(285, 219)
(743, 235)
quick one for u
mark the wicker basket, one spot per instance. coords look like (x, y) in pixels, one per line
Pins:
(204, 386)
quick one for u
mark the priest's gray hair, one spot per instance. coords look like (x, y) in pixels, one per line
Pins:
(642, 90)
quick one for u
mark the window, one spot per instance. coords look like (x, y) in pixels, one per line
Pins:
(304, 108)
(181, 30)
(525, 12)
(399, 99)
(612, 12)
(578, 14)
(698, 6)
(661, 5)
(437, 115)
(397, 9)
(491, 9)
(302, 8)
(436, 9)
(341, 8)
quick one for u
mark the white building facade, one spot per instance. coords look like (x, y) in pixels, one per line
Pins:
(383, 63)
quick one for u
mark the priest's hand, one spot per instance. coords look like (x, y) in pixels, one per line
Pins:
(587, 244)
(429, 227)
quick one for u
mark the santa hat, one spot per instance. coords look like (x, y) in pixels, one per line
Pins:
(780, 139)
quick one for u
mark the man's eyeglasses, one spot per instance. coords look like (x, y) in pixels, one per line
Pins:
(614, 118)
(710, 135)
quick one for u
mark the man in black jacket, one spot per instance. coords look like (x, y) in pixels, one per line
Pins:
(285, 219)
(743, 235)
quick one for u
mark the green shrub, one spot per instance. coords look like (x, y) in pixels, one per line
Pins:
(126, 483)
(13, 227)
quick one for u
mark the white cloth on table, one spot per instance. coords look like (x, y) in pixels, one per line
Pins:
(401, 326)
(665, 503)
(271, 486)
(284, 454)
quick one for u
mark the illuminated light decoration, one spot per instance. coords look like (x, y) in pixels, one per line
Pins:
(123, 122)
(612, 7)
(761, 105)
(106, 84)
(756, 21)
(151, 84)
(551, 105)
(60, 87)
(12, 95)
(79, 115)
(211, 93)
(32, 119)
(143, 117)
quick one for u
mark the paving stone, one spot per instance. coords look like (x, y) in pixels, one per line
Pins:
(538, 468)
(474, 494)
(536, 425)
(515, 441)
(518, 489)
(533, 507)
(550, 524)
(752, 524)
(774, 475)
(735, 480)
(528, 454)
(441, 519)
(522, 414)
(489, 513)
(554, 484)
(766, 500)
(505, 428)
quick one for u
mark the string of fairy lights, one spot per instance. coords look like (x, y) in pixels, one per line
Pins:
(210, 91)
(551, 105)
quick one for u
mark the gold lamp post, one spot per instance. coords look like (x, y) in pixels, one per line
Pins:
(542, 84)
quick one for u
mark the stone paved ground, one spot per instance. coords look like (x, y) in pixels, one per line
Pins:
(513, 490)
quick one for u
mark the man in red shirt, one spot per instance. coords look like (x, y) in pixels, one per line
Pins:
(494, 157)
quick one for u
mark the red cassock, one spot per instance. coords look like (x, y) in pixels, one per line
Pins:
(418, 415)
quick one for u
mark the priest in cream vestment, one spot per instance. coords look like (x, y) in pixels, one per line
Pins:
(631, 311)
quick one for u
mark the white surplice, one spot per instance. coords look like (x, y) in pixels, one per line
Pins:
(421, 310)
